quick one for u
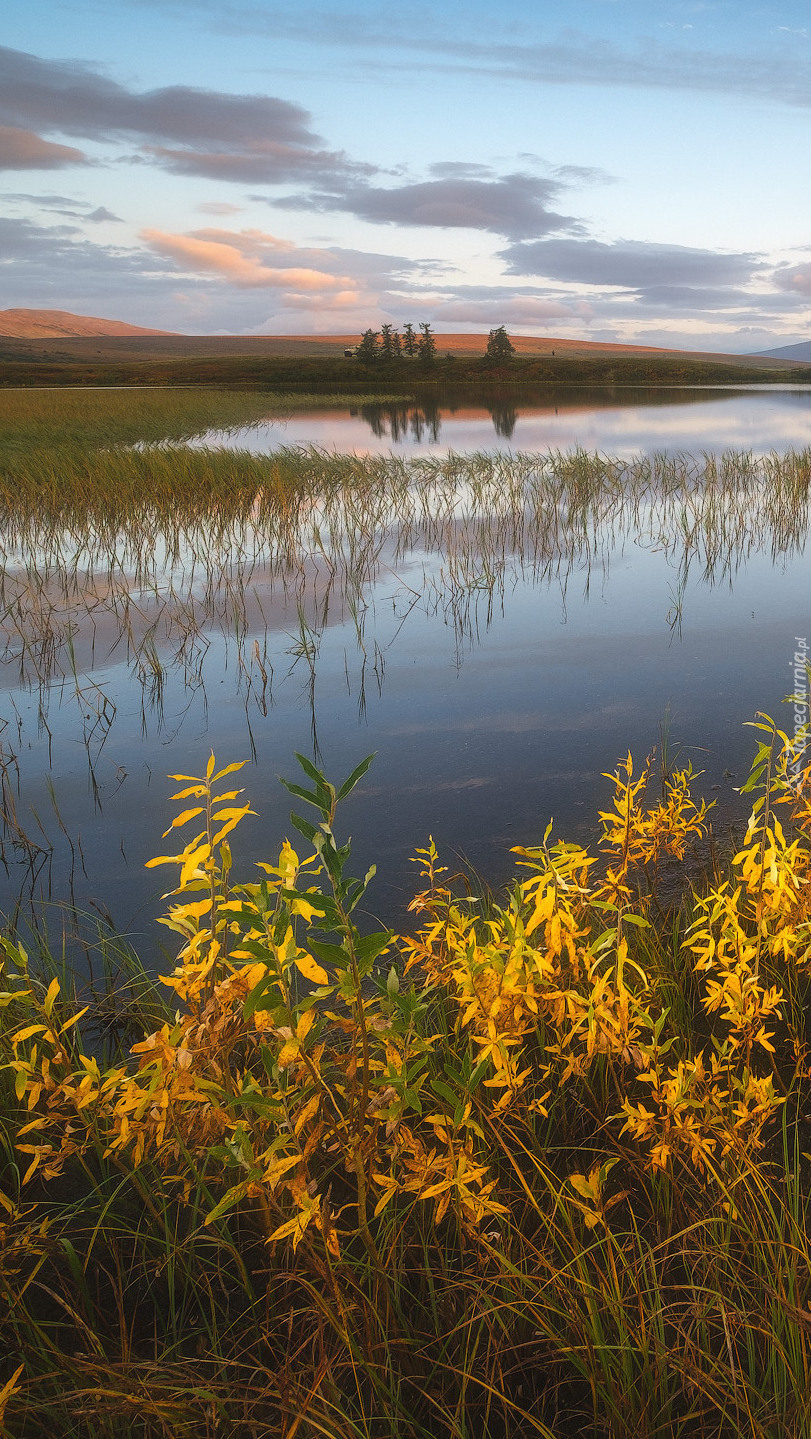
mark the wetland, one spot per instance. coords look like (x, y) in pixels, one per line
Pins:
(497, 594)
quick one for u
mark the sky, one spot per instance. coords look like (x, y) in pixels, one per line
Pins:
(611, 170)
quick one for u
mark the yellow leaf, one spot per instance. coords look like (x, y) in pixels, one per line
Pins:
(50, 998)
(182, 818)
(387, 1196)
(288, 1053)
(280, 1168)
(307, 1113)
(229, 769)
(74, 1019)
(10, 1387)
(198, 790)
(588, 1189)
(210, 766)
(434, 1189)
(192, 862)
(232, 813)
(306, 965)
(23, 1034)
(305, 1024)
(296, 1227)
(305, 909)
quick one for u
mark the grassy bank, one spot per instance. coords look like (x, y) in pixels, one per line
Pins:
(535, 1168)
(405, 377)
(62, 420)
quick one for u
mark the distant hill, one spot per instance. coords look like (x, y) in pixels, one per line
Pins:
(61, 324)
(799, 353)
(55, 336)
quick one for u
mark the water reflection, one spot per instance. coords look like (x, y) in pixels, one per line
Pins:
(618, 420)
(375, 579)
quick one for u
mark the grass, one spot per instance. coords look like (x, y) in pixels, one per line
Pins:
(484, 1179)
(98, 420)
(328, 374)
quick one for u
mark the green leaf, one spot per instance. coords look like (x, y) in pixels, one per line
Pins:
(303, 826)
(330, 953)
(314, 774)
(357, 774)
(445, 1092)
(307, 795)
(229, 1199)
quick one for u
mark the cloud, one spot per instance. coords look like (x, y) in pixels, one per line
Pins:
(521, 310)
(514, 205)
(794, 279)
(459, 170)
(187, 130)
(244, 260)
(63, 205)
(219, 207)
(57, 267)
(24, 150)
(254, 162)
(46, 202)
(632, 264)
(445, 43)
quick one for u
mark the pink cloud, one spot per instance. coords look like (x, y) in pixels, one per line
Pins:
(24, 150)
(796, 280)
(240, 259)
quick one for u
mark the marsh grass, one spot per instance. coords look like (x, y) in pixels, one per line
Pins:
(123, 544)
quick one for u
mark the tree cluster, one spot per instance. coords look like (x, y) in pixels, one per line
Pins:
(387, 345)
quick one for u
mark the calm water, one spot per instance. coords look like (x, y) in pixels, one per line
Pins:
(497, 656)
(619, 423)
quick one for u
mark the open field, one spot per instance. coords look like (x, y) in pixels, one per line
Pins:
(95, 348)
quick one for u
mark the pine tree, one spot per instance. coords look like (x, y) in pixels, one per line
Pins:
(389, 343)
(499, 350)
(426, 346)
(368, 351)
(409, 341)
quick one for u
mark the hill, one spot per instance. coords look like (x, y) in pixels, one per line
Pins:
(122, 344)
(799, 354)
(61, 324)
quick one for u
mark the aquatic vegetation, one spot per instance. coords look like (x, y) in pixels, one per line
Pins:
(486, 1177)
(162, 561)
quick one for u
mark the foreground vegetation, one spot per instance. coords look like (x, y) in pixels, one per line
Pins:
(537, 1168)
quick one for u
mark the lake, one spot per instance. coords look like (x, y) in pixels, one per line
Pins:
(499, 599)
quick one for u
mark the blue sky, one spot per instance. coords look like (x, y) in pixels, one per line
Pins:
(631, 170)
